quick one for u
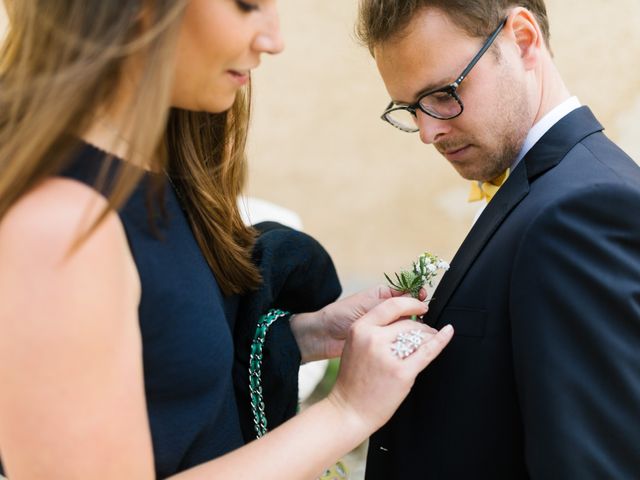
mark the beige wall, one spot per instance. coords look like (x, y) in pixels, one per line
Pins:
(376, 197)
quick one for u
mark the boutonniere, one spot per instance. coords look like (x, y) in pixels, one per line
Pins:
(425, 270)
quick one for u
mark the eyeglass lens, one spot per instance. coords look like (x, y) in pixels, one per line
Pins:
(441, 105)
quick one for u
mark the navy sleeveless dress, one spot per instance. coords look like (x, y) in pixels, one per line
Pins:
(189, 331)
(186, 332)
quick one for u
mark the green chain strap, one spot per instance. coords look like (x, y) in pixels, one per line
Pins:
(336, 472)
(255, 370)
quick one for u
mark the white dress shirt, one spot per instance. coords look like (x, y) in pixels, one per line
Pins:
(545, 124)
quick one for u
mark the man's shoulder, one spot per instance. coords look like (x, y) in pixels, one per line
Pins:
(595, 162)
(595, 179)
(609, 157)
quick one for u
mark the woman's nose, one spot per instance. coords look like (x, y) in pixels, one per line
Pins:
(269, 39)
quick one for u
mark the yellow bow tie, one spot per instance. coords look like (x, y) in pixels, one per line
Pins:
(481, 190)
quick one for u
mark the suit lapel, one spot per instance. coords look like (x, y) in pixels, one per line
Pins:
(559, 140)
(509, 195)
(545, 154)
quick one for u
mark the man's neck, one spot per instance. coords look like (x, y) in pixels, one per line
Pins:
(553, 96)
(552, 91)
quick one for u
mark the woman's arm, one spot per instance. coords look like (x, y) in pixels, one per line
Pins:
(72, 399)
(371, 385)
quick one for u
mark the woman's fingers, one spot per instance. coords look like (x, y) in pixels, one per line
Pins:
(407, 325)
(392, 309)
(390, 292)
(384, 292)
(405, 337)
(430, 348)
(382, 357)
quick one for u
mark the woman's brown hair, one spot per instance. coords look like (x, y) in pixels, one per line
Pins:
(62, 62)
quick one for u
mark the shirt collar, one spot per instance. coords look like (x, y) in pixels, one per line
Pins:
(545, 124)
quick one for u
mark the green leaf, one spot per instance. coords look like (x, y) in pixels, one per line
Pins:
(389, 280)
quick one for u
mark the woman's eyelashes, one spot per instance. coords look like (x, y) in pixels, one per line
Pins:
(246, 6)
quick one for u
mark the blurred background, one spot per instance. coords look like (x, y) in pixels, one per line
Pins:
(376, 197)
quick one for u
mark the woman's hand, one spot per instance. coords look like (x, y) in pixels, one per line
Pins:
(371, 384)
(322, 334)
(371, 370)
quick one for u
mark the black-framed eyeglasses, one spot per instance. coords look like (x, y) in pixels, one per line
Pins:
(442, 103)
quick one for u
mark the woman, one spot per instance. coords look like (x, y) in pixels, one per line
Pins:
(115, 353)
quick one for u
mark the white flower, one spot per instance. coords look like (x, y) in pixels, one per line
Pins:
(442, 265)
(424, 271)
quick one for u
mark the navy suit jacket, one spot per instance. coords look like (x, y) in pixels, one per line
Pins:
(542, 378)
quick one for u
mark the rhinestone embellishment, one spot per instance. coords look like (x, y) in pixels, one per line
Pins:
(407, 343)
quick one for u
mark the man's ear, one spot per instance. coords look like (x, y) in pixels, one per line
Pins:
(525, 31)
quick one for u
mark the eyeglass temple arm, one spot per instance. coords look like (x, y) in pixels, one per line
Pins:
(482, 51)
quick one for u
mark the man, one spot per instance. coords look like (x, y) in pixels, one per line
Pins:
(542, 379)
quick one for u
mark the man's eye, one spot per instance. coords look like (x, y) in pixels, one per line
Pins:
(246, 6)
(441, 97)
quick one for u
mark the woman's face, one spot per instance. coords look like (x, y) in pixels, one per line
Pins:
(220, 42)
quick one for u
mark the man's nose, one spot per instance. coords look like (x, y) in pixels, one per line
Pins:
(431, 129)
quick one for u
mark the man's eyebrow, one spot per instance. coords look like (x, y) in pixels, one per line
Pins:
(433, 86)
(429, 88)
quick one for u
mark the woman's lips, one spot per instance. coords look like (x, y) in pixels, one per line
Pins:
(241, 78)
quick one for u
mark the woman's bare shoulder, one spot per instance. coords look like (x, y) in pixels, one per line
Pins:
(57, 208)
(71, 322)
(38, 237)
(48, 220)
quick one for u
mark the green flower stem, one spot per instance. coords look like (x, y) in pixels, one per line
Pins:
(424, 270)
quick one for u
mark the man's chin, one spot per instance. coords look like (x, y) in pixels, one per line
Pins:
(475, 176)
(467, 173)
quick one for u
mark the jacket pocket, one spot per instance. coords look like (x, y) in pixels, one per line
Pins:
(467, 322)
